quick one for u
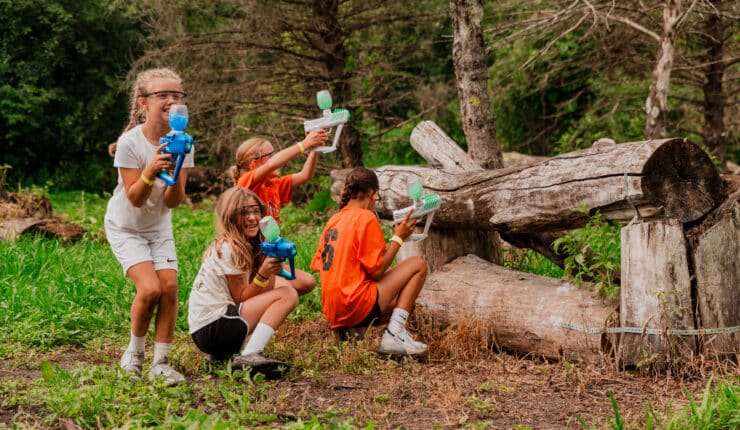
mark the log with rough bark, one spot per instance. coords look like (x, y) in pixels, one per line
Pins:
(669, 177)
(715, 247)
(655, 293)
(529, 314)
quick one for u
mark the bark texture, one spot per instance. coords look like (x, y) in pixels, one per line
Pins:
(469, 60)
(526, 313)
(656, 293)
(668, 177)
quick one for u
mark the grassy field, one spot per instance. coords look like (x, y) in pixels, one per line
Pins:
(64, 311)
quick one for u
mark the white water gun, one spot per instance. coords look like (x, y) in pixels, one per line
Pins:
(330, 119)
(423, 206)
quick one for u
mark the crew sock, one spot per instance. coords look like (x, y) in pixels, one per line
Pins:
(257, 342)
(397, 324)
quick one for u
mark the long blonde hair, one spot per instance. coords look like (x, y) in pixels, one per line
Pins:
(141, 86)
(247, 151)
(245, 251)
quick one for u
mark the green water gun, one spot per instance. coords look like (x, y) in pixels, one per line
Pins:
(330, 119)
(422, 206)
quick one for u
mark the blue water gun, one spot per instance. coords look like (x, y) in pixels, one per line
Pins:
(276, 246)
(178, 142)
(330, 119)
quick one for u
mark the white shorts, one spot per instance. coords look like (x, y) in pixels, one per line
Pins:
(132, 247)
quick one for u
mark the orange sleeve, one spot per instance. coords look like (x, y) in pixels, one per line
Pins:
(245, 180)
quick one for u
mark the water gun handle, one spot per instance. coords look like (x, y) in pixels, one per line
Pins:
(171, 180)
(289, 275)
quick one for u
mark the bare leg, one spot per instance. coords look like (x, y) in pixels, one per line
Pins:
(400, 286)
(148, 293)
(270, 307)
(164, 324)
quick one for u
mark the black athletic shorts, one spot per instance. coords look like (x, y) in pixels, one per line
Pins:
(223, 337)
(374, 314)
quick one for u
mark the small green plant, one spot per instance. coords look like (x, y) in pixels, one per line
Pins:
(719, 409)
(593, 254)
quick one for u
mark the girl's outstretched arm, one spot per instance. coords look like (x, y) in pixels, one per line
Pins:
(306, 173)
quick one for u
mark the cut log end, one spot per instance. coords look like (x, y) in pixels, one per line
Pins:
(681, 176)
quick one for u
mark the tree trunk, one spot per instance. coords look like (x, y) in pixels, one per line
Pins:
(334, 57)
(656, 105)
(469, 59)
(528, 314)
(715, 245)
(672, 177)
(714, 102)
(443, 246)
(655, 293)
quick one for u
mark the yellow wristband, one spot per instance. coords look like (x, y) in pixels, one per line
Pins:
(301, 148)
(146, 180)
(397, 239)
(258, 282)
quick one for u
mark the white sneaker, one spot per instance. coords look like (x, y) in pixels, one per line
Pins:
(400, 344)
(132, 362)
(164, 370)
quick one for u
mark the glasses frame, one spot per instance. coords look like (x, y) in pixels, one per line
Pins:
(167, 94)
(269, 154)
(254, 210)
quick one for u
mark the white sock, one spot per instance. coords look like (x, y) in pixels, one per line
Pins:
(136, 344)
(161, 351)
(261, 335)
(397, 324)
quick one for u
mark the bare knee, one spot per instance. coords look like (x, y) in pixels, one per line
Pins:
(168, 289)
(148, 293)
(420, 265)
(289, 296)
(305, 285)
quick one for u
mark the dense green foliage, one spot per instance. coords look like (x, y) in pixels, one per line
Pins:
(62, 63)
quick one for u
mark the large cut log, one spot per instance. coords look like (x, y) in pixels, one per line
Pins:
(715, 246)
(655, 294)
(668, 177)
(529, 314)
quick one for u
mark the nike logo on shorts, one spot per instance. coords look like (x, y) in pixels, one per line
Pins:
(171, 260)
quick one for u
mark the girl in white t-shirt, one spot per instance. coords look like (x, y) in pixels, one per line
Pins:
(138, 220)
(237, 291)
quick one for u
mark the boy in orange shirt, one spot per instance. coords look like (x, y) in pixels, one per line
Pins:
(357, 286)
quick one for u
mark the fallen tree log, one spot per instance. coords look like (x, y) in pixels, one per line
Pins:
(529, 314)
(668, 177)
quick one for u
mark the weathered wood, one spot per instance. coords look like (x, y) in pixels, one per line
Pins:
(529, 314)
(655, 293)
(715, 245)
(432, 143)
(671, 177)
(443, 246)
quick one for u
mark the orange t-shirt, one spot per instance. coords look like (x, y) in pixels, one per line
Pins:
(274, 191)
(350, 248)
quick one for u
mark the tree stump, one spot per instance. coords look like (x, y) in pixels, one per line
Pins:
(655, 294)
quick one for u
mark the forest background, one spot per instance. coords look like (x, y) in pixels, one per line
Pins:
(560, 75)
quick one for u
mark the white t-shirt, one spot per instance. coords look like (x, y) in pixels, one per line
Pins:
(134, 151)
(210, 294)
